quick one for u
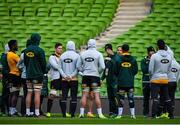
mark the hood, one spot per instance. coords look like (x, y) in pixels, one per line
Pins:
(35, 39)
(6, 48)
(92, 43)
(170, 52)
(70, 45)
(127, 58)
(29, 42)
(163, 53)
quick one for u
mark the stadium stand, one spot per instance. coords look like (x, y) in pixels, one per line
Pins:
(162, 23)
(79, 20)
(55, 20)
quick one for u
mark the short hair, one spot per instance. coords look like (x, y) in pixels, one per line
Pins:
(125, 47)
(57, 45)
(108, 46)
(11, 43)
(150, 48)
(161, 44)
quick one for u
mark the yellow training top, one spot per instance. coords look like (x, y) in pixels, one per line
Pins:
(12, 59)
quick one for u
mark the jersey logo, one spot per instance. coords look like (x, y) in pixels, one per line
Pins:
(164, 61)
(126, 64)
(30, 54)
(68, 60)
(89, 59)
(174, 70)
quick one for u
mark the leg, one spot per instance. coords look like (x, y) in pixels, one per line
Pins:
(146, 97)
(130, 96)
(23, 101)
(167, 100)
(83, 102)
(120, 97)
(28, 98)
(90, 102)
(113, 108)
(37, 95)
(155, 88)
(73, 102)
(65, 90)
(41, 101)
(172, 89)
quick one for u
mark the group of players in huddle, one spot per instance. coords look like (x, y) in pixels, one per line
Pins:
(30, 71)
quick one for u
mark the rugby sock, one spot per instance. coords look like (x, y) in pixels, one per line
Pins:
(49, 105)
(81, 111)
(37, 112)
(73, 107)
(99, 111)
(120, 111)
(63, 107)
(28, 111)
(132, 110)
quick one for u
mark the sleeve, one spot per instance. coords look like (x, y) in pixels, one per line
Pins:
(76, 69)
(16, 58)
(178, 74)
(101, 63)
(103, 74)
(151, 65)
(135, 67)
(61, 70)
(79, 64)
(20, 64)
(54, 63)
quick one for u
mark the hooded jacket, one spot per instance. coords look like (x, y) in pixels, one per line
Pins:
(145, 70)
(34, 59)
(159, 67)
(20, 64)
(126, 69)
(174, 74)
(92, 62)
(68, 61)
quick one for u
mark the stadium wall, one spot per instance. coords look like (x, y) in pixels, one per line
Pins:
(105, 107)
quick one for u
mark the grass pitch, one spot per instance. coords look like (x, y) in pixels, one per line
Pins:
(60, 120)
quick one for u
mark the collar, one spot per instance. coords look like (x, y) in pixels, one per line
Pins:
(125, 53)
(57, 55)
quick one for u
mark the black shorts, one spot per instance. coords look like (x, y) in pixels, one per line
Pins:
(126, 89)
(91, 82)
(56, 84)
(14, 80)
(38, 80)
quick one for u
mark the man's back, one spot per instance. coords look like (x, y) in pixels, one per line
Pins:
(34, 59)
(92, 62)
(159, 65)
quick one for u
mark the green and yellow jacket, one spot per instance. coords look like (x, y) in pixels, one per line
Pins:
(126, 69)
(34, 59)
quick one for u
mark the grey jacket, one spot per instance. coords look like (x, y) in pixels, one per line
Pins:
(160, 65)
(54, 63)
(92, 62)
(68, 61)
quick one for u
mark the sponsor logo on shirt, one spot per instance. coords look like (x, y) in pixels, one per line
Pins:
(30, 54)
(164, 61)
(89, 59)
(126, 64)
(174, 70)
(68, 60)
